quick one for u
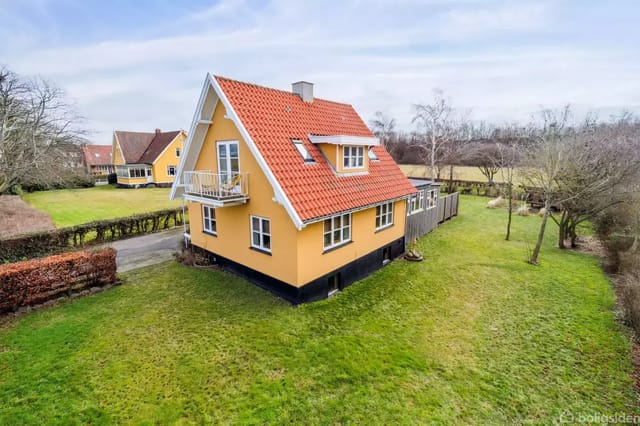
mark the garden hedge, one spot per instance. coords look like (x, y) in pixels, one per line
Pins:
(36, 281)
(56, 241)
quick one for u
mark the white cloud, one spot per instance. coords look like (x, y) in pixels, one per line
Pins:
(375, 55)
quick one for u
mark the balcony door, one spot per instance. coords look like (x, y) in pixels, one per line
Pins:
(229, 166)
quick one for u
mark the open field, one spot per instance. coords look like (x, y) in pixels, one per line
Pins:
(459, 173)
(69, 207)
(472, 335)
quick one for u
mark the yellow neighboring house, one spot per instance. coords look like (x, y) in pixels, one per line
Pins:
(147, 159)
(292, 192)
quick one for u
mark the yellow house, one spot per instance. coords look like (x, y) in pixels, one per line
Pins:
(292, 192)
(147, 159)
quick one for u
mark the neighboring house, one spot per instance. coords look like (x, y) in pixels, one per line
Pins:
(97, 160)
(147, 159)
(293, 192)
(69, 155)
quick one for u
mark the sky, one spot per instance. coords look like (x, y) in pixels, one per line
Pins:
(140, 65)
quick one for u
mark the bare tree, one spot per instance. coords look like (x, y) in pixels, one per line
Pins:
(544, 163)
(434, 122)
(384, 127)
(604, 165)
(35, 126)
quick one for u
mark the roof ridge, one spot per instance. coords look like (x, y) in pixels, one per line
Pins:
(260, 86)
(154, 138)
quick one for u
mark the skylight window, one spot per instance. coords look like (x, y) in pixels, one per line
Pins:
(372, 155)
(306, 155)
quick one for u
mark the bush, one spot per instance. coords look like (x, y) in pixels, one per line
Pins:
(64, 239)
(36, 281)
(112, 179)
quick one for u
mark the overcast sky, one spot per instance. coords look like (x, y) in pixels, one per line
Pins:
(138, 65)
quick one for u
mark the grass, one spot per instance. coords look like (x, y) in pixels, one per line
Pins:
(471, 335)
(68, 207)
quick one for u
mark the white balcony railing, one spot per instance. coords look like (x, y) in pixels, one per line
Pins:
(219, 186)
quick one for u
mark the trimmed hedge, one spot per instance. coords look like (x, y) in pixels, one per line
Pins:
(37, 281)
(56, 241)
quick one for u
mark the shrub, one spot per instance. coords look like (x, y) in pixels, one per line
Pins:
(64, 239)
(112, 179)
(36, 281)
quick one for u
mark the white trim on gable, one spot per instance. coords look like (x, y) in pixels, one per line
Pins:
(115, 136)
(189, 158)
(345, 140)
(195, 137)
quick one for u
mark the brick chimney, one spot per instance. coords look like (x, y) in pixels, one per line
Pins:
(304, 89)
(158, 131)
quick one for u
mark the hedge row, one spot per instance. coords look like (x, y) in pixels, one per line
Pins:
(36, 281)
(64, 239)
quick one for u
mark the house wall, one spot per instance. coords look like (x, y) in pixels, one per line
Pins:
(297, 258)
(167, 158)
(314, 262)
(118, 159)
(233, 239)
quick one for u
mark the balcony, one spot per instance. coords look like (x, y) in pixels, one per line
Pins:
(218, 189)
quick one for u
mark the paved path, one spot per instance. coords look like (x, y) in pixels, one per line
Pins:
(147, 250)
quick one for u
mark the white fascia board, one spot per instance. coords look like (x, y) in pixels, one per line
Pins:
(176, 187)
(280, 196)
(345, 140)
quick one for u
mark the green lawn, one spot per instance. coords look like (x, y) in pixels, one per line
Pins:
(69, 207)
(471, 335)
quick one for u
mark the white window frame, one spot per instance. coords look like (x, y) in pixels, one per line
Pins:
(340, 224)
(261, 233)
(353, 157)
(178, 151)
(415, 203)
(175, 169)
(209, 221)
(432, 199)
(303, 151)
(384, 215)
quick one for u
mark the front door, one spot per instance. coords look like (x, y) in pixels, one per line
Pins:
(228, 166)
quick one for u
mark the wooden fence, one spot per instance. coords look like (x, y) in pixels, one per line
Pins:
(422, 223)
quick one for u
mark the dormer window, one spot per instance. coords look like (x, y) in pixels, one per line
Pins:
(306, 155)
(372, 155)
(353, 157)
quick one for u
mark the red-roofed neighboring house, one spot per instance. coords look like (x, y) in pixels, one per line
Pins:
(147, 158)
(97, 160)
(293, 192)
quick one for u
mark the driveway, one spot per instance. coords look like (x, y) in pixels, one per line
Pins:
(147, 250)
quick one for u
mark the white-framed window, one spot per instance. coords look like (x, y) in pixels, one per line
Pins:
(171, 170)
(138, 172)
(384, 215)
(352, 157)
(261, 233)
(415, 203)
(209, 219)
(306, 155)
(178, 151)
(337, 230)
(432, 198)
(372, 155)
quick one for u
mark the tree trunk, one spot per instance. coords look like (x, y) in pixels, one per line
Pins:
(510, 210)
(536, 251)
(562, 230)
(451, 188)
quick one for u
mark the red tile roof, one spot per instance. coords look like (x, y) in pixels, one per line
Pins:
(97, 155)
(273, 117)
(142, 147)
